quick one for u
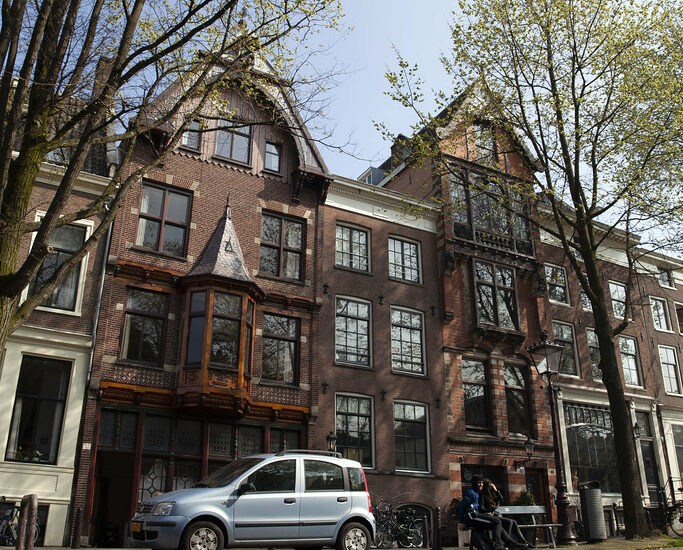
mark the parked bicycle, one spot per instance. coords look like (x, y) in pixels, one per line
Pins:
(400, 526)
(9, 526)
(674, 505)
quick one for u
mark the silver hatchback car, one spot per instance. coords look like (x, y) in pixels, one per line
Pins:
(293, 498)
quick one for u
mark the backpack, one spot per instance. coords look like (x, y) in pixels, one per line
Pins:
(480, 540)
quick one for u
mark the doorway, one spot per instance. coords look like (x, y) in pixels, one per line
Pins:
(113, 492)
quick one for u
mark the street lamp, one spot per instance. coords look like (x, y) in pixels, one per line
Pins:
(331, 442)
(529, 448)
(546, 357)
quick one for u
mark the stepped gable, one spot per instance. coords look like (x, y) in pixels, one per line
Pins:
(222, 256)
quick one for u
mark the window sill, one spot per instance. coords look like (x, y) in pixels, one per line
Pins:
(30, 462)
(232, 161)
(272, 172)
(75, 313)
(414, 473)
(664, 331)
(354, 270)
(413, 283)
(422, 375)
(561, 304)
(130, 363)
(187, 149)
(276, 384)
(282, 279)
(353, 366)
(161, 253)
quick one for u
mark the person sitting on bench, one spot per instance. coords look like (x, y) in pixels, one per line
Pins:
(469, 514)
(489, 500)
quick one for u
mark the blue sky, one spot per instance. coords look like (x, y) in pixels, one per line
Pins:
(420, 31)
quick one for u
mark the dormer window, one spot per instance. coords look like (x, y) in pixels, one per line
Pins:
(272, 157)
(191, 136)
(233, 141)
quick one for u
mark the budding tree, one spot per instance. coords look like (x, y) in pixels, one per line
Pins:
(81, 74)
(593, 89)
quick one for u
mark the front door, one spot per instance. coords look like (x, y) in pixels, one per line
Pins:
(270, 511)
(324, 500)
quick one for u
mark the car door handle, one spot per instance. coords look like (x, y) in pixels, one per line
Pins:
(342, 499)
(290, 500)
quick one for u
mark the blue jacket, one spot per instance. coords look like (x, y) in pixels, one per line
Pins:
(469, 499)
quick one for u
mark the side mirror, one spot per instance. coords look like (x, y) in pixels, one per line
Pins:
(246, 488)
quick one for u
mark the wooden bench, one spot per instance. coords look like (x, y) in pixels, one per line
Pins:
(512, 511)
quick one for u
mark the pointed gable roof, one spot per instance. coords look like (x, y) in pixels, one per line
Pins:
(222, 256)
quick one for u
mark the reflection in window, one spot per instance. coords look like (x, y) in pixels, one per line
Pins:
(143, 326)
(281, 440)
(660, 314)
(475, 391)
(282, 241)
(556, 279)
(274, 477)
(496, 296)
(669, 363)
(410, 436)
(594, 352)
(195, 336)
(191, 136)
(322, 476)
(617, 292)
(233, 141)
(517, 399)
(629, 360)
(406, 341)
(66, 241)
(225, 329)
(354, 428)
(279, 362)
(152, 477)
(590, 438)
(272, 156)
(352, 248)
(563, 334)
(404, 260)
(352, 336)
(36, 425)
(163, 220)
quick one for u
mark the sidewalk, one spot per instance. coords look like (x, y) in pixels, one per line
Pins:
(612, 543)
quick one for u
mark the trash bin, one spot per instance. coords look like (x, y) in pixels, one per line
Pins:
(591, 510)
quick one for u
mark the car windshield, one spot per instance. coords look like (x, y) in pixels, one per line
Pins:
(226, 474)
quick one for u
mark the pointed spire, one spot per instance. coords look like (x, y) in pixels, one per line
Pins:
(222, 256)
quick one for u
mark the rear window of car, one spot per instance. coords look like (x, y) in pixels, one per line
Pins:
(356, 479)
(323, 476)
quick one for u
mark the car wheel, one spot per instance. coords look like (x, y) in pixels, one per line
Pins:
(202, 535)
(354, 536)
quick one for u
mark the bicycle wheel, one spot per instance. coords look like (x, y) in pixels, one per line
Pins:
(676, 520)
(7, 535)
(415, 537)
(383, 537)
(36, 535)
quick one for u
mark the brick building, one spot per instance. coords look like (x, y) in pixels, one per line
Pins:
(45, 365)
(205, 351)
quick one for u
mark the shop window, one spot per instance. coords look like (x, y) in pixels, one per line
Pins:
(282, 247)
(163, 220)
(36, 425)
(143, 326)
(281, 440)
(410, 436)
(250, 440)
(354, 428)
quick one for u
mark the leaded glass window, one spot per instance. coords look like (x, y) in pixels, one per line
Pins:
(188, 437)
(282, 244)
(221, 440)
(250, 440)
(352, 331)
(476, 393)
(157, 435)
(186, 474)
(153, 472)
(406, 341)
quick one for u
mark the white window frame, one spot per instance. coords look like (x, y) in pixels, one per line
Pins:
(419, 259)
(677, 306)
(370, 331)
(667, 317)
(676, 367)
(77, 312)
(372, 421)
(671, 276)
(566, 285)
(427, 434)
(422, 337)
(368, 241)
(639, 370)
(577, 365)
(610, 285)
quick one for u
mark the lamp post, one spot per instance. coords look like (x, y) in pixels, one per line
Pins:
(546, 357)
(331, 442)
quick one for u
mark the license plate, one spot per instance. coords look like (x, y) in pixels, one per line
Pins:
(135, 526)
